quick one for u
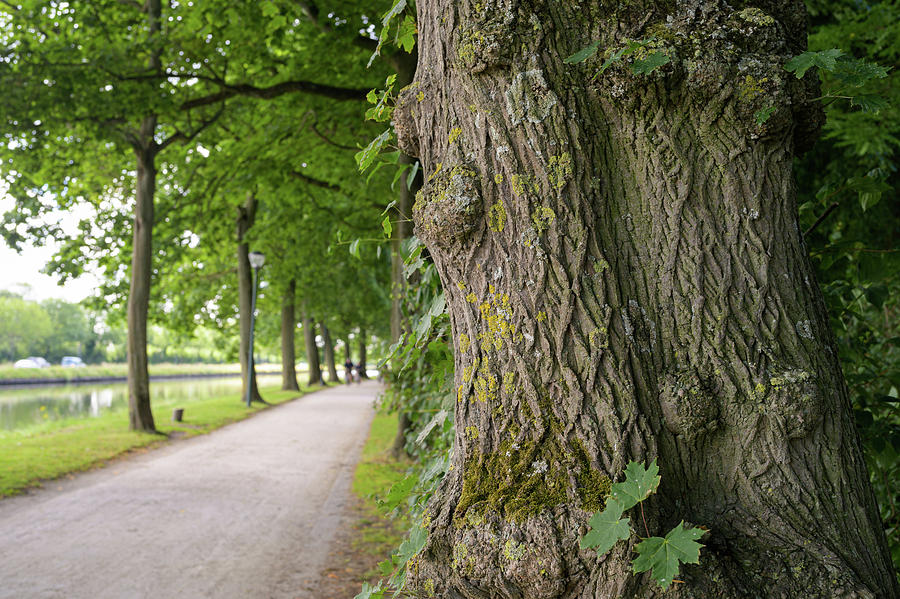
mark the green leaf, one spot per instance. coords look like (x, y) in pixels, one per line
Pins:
(438, 305)
(639, 483)
(763, 115)
(395, 10)
(406, 34)
(824, 59)
(869, 102)
(583, 54)
(647, 65)
(387, 226)
(855, 72)
(665, 555)
(366, 156)
(412, 175)
(370, 592)
(399, 492)
(354, 248)
(607, 528)
(412, 545)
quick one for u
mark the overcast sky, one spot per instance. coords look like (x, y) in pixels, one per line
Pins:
(17, 270)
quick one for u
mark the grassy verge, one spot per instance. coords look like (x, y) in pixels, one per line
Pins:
(53, 449)
(119, 370)
(376, 472)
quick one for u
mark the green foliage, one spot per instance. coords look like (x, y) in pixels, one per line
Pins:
(661, 555)
(638, 485)
(824, 59)
(664, 555)
(644, 63)
(844, 186)
(607, 528)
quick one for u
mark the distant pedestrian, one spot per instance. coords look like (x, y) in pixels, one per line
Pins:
(357, 373)
(348, 371)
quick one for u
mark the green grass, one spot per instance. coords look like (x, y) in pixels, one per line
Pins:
(376, 472)
(53, 449)
(119, 370)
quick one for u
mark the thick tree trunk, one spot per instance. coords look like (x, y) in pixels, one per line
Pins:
(626, 281)
(140, 416)
(288, 326)
(347, 351)
(329, 355)
(362, 354)
(312, 350)
(246, 216)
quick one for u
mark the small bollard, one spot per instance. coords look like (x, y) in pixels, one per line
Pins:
(177, 413)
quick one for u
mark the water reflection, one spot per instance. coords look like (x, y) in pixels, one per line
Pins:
(25, 406)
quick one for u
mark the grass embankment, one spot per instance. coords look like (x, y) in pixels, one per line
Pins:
(53, 449)
(376, 472)
(7, 371)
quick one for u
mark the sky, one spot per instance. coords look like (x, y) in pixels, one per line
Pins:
(17, 270)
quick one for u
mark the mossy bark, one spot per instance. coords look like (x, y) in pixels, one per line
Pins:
(626, 280)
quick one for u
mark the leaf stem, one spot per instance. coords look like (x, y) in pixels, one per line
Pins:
(647, 530)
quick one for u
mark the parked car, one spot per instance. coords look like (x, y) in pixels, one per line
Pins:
(26, 363)
(72, 362)
(32, 362)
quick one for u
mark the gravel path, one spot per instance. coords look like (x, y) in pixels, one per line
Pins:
(247, 511)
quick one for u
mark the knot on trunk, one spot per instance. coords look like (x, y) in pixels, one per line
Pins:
(720, 61)
(793, 400)
(449, 206)
(404, 118)
(485, 37)
(689, 406)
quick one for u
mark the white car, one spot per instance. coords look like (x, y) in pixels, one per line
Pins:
(26, 363)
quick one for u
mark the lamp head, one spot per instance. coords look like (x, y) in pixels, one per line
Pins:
(257, 259)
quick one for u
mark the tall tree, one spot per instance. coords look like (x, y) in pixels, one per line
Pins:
(245, 219)
(312, 350)
(329, 355)
(288, 327)
(626, 280)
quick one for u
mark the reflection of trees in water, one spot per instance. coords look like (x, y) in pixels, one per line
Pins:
(27, 406)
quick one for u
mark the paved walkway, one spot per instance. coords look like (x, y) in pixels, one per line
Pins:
(247, 511)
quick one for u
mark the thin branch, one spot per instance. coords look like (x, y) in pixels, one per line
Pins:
(316, 182)
(819, 220)
(267, 93)
(327, 140)
(181, 136)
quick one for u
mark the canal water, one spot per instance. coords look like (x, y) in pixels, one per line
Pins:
(23, 407)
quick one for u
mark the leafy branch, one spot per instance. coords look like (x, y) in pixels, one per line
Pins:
(661, 555)
(645, 61)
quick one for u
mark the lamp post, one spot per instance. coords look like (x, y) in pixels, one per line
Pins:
(257, 259)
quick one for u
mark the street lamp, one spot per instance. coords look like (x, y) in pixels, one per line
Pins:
(257, 259)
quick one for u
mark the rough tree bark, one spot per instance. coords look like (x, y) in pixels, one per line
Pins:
(626, 281)
(288, 326)
(312, 350)
(245, 218)
(329, 355)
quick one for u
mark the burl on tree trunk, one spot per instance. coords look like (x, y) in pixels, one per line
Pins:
(627, 281)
